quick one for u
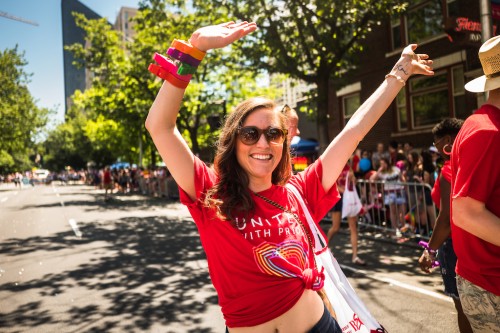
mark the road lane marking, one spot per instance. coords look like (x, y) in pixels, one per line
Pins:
(71, 222)
(4, 199)
(397, 283)
(75, 228)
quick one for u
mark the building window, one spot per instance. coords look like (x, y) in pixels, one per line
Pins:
(350, 103)
(401, 106)
(423, 21)
(426, 100)
(429, 99)
(452, 8)
(396, 31)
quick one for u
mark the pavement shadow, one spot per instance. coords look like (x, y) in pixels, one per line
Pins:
(133, 275)
(121, 202)
(381, 253)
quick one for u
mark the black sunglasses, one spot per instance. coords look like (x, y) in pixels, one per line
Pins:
(249, 135)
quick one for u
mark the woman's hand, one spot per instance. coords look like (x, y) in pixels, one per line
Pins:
(218, 36)
(412, 63)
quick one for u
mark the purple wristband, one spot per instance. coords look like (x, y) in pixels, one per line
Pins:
(170, 67)
(183, 57)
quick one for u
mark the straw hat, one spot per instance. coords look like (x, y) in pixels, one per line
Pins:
(489, 54)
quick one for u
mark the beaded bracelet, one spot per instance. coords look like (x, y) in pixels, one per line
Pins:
(187, 48)
(167, 76)
(397, 77)
(170, 67)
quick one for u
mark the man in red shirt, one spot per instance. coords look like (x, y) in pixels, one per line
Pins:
(476, 199)
(107, 181)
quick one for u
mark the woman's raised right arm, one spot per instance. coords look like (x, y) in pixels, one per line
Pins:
(161, 120)
(170, 144)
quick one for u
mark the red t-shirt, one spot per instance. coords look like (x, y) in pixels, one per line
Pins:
(436, 190)
(355, 162)
(106, 177)
(476, 174)
(341, 181)
(257, 269)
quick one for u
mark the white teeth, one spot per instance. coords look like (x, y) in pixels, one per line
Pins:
(261, 156)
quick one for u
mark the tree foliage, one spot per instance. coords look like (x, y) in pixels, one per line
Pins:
(122, 90)
(21, 120)
(67, 144)
(314, 41)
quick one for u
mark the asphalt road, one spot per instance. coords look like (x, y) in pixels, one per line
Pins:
(70, 262)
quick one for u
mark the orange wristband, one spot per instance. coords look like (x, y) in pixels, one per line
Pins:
(187, 48)
(167, 76)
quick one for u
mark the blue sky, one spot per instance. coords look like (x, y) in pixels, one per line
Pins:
(42, 44)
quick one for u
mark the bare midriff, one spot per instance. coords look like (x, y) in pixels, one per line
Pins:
(301, 318)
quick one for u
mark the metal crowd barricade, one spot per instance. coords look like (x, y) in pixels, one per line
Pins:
(409, 204)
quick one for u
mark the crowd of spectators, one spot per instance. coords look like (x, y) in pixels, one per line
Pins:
(408, 175)
(403, 201)
(147, 181)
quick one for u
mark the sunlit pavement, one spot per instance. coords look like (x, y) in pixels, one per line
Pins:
(72, 262)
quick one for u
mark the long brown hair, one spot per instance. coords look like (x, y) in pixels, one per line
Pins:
(230, 194)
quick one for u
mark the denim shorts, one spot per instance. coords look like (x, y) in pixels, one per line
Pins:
(327, 324)
(447, 263)
(394, 197)
(338, 205)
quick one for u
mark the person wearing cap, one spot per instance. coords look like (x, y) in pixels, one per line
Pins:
(434, 153)
(475, 199)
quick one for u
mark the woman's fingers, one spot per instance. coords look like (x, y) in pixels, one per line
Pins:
(225, 24)
(240, 31)
(221, 35)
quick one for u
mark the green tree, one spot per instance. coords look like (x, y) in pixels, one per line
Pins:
(123, 89)
(21, 120)
(220, 82)
(105, 104)
(314, 41)
(67, 144)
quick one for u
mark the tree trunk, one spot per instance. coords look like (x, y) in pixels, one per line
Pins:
(322, 113)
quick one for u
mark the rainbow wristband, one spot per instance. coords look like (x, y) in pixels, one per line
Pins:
(182, 57)
(167, 76)
(187, 48)
(170, 67)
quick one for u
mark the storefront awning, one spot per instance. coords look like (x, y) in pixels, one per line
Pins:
(303, 145)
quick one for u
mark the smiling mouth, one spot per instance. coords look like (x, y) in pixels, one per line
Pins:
(262, 157)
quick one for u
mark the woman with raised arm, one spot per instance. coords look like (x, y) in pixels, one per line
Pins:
(252, 227)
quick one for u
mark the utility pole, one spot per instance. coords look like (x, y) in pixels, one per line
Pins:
(486, 28)
(17, 18)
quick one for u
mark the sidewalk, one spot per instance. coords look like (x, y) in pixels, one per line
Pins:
(383, 255)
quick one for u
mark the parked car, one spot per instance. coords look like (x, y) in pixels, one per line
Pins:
(40, 175)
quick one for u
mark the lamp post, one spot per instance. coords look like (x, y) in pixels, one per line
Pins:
(485, 10)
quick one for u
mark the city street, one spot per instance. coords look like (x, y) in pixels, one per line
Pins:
(71, 262)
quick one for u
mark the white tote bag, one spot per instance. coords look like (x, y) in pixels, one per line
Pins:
(351, 204)
(351, 313)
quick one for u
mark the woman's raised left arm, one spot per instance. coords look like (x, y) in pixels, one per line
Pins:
(340, 149)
